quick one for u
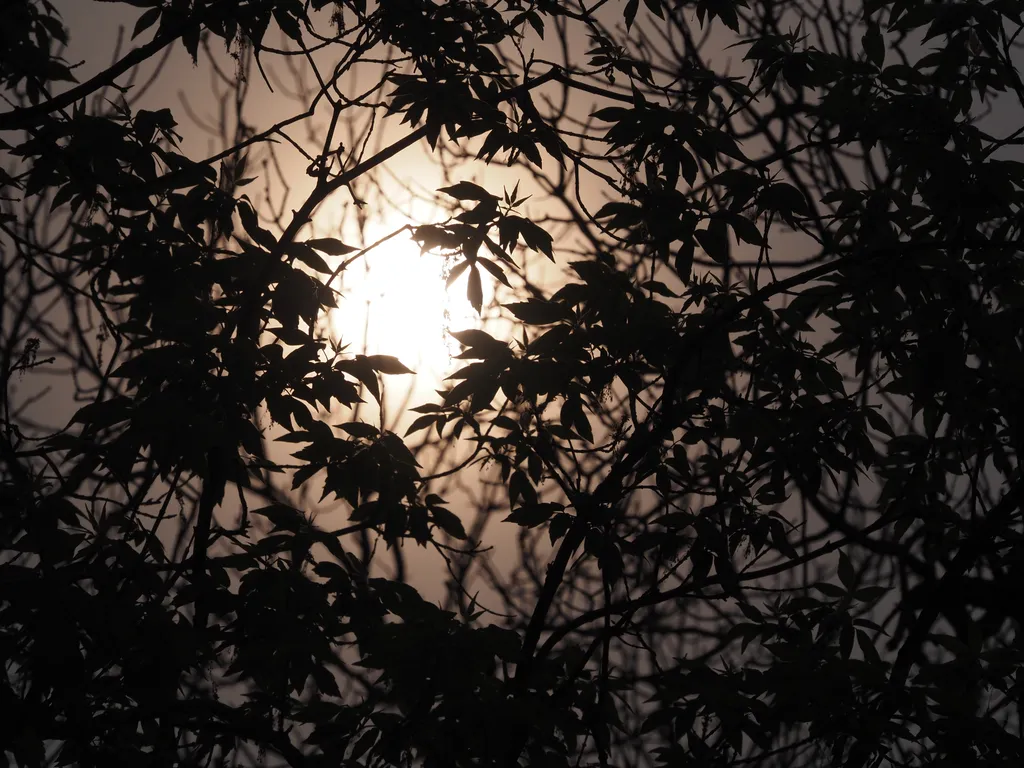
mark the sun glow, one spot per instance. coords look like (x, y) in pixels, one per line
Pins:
(395, 302)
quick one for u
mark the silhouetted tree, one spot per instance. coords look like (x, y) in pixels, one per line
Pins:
(743, 418)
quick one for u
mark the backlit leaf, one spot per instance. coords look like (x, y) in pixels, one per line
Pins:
(467, 190)
(474, 289)
(386, 364)
(331, 246)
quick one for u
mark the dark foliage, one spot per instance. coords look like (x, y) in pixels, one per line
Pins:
(753, 454)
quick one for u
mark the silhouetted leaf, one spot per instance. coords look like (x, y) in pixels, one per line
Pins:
(331, 246)
(630, 12)
(537, 312)
(830, 590)
(386, 364)
(448, 522)
(146, 20)
(715, 240)
(536, 237)
(846, 575)
(784, 198)
(467, 190)
(251, 225)
(495, 271)
(532, 515)
(874, 45)
(304, 253)
(684, 260)
(104, 413)
(480, 344)
(359, 429)
(284, 518)
(474, 290)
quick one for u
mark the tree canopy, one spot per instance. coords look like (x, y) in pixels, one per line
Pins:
(725, 471)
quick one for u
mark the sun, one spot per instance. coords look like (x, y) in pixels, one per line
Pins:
(395, 301)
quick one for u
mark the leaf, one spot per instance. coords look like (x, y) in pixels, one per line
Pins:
(746, 230)
(295, 297)
(870, 594)
(495, 271)
(830, 590)
(559, 526)
(532, 515)
(424, 422)
(784, 198)
(190, 39)
(503, 643)
(484, 213)
(251, 225)
(582, 424)
(629, 14)
(474, 289)
(529, 148)
(536, 22)
(684, 260)
(519, 486)
(952, 644)
(146, 20)
(624, 214)
(780, 540)
(480, 344)
(467, 190)
(104, 413)
(449, 522)
(536, 312)
(658, 287)
(304, 253)
(457, 270)
(361, 369)
(361, 429)
(386, 364)
(363, 743)
(610, 562)
(879, 422)
(715, 240)
(655, 8)
(325, 682)
(288, 24)
(283, 517)
(874, 44)
(612, 114)
(536, 238)
(331, 246)
(846, 574)
(867, 647)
